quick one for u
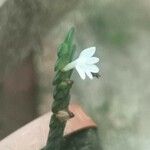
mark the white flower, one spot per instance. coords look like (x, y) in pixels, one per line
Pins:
(85, 63)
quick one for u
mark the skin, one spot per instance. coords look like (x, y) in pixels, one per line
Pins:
(23, 26)
(33, 136)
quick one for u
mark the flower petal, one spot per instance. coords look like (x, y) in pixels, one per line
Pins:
(88, 52)
(70, 66)
(92, 60)
(89, 74)
(80, 71)
(93, 68)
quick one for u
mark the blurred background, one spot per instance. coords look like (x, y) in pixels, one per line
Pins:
(30, 32)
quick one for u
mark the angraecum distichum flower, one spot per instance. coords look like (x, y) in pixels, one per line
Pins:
(85, 64)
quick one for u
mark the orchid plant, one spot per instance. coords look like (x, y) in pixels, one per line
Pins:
(85, 64)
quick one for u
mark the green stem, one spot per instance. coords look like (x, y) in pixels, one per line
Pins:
(61, 94)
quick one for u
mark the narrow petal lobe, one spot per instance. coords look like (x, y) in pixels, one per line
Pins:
(93, 68)
(92, 60)
(88, 52)
(80, 71)
(89, 74)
